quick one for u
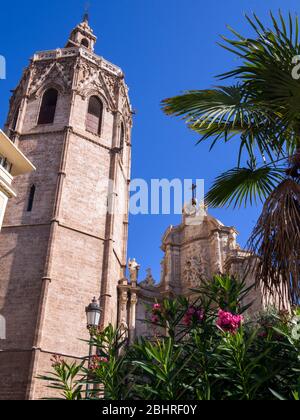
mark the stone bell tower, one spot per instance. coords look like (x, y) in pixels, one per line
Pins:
(64, 238)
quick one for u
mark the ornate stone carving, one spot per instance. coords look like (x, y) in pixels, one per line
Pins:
(88, 74)
(110, 81)
(58, 73)
(123, 301)
(194, 271)
(149, 280)
(123, 329)
(91, 78)
(133, 299)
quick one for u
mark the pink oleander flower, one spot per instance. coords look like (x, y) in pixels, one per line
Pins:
(187, 320)
(96, 362)
(191, 311)
(156, 307)
(155, 319)
(200, 314)
(193, 314)
(263, 334)
(229, 322)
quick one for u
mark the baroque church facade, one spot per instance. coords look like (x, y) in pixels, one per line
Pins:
(197, 249)
(64, 238)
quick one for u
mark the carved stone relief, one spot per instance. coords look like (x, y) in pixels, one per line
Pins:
(194, 272)
(57, 72)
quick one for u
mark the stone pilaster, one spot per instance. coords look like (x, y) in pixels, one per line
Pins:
(132, 315)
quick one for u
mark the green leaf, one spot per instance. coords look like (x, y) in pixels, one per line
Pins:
(242, 185)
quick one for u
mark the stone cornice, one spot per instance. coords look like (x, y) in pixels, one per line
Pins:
(81, 52)
(166, 241)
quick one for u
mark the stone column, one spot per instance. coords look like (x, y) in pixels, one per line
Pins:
(123, 306)
(132, 315)
(218, 263)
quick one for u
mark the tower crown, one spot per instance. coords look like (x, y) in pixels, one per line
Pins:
(82, 35)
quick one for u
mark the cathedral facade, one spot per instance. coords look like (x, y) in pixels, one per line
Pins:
(64, 238)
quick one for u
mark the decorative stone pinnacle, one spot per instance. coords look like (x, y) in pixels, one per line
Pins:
(86, 17)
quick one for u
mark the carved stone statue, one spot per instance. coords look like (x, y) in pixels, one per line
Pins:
(123, 329)
(134, 268)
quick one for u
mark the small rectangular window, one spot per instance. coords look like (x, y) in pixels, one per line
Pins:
(31, 198)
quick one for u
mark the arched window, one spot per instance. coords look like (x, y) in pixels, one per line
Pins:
(122, 136)
(48, 107)
(85, 43)
(94, 115)
(31, 198)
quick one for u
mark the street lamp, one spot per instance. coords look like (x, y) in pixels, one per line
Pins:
(93, 315)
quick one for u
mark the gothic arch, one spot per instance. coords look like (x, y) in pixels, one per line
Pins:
(94, 115)
(85, 43)
(96, 92)
(94, 84)
(49, 78)
(51, 85)
(48, 106)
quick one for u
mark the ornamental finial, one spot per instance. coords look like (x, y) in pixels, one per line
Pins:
(86, 16)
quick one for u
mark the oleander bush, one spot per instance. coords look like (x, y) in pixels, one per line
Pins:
(208, 348)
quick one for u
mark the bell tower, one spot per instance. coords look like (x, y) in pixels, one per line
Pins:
(83, 36)
(64, 237)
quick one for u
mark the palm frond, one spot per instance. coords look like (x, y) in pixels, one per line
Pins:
(240, 185)
(267, 68)
(275, 240)
(226, 106)
(224, 112)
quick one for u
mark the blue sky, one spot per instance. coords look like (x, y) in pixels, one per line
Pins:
(164, 47)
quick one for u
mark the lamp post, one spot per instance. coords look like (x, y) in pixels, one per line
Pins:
(93, 315)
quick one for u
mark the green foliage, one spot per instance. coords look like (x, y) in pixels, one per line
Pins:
(227, 292)
(159, 370)
(111, 377)
(66, 379)
(242, 185)
(193, 357)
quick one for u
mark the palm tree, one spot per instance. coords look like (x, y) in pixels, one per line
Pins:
(261, 110)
